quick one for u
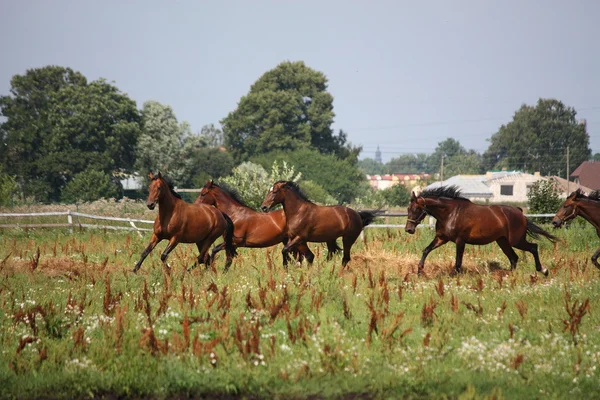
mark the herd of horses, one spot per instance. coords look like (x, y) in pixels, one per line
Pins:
(220, 212)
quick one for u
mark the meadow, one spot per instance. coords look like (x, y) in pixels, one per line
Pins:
(76, 323)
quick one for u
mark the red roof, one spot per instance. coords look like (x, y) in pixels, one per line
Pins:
(588, 174)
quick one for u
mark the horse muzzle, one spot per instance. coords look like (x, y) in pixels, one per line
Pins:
(151, 205)
(410, 230)
(264, 208)
(556, 222)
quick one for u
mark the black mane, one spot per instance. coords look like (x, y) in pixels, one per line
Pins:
(595, 195)
(451, 192)
(295, 188)
(232, 193)
(169, 184)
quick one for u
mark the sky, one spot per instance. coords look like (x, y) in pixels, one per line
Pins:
(405, 75)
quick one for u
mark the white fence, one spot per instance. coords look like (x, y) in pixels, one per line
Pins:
(132, 221)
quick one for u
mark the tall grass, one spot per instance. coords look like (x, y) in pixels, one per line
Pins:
(75, 322)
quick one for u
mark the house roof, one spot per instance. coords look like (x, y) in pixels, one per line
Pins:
(589, 174)
(562, 185)
(469, 185)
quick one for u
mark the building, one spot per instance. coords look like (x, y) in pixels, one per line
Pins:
(587, 174)
(494, 186)
(378, 156)
(566, 188)
(381, 182)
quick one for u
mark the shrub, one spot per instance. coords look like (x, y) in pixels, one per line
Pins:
(89, 185)
(8, 188)
(544, 198)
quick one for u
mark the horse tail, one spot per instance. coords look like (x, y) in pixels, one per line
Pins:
(367, 217)
(229, 247)
(535, 231)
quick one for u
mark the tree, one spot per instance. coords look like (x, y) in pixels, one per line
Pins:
(8, 187)
(166, 145)
(408, 164)
(537, 140)
(89, 185)
(253, 182)
(210, 163)
(287, 108)
(212, 136)
(57, 125)
(369, 166)
(397, 195)
(468, 163)
(340, 178)
(596, 157)
(544, 198)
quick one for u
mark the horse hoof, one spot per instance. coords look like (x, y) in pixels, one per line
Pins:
(545, 271)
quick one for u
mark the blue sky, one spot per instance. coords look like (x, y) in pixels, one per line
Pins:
(404, 75)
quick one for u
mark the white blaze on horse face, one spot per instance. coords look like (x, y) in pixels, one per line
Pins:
(271, 189)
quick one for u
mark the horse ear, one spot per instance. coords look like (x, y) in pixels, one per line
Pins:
(413, 197)
(421, 201)
(159, 175)
(150, 175)
(212, 182)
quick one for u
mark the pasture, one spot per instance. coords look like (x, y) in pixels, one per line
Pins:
(76, 323)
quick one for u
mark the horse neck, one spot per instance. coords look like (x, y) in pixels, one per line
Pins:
(590, 210)
(166, 204)
(293, 203)
(439, 208)
(228, 204)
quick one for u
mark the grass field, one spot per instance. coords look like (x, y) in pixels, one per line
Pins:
(75, 322)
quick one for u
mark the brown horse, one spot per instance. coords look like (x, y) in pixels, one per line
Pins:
(181, 222)
(587, 207)
(460, 221)
(308, 222)
(252, 228)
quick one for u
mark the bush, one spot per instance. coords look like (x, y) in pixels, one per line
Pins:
(397, 195)
(253, 182)
(316, 193)
(8, 188)
(544, 198)
(89, 185)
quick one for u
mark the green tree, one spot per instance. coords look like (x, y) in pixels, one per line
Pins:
(89, 185)
(253, 182)
(287, 108)
(57, 125)
(596, 157)
(537, 139)
(468, 163)
(316, 193)
(369, 166)
(408, 164)
(212, 136)
(166, 145)
(210, 163)
(544, 198)
(397, 195)
(8, 188)
(340, 178)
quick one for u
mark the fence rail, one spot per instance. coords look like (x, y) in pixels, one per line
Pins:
(132, 221)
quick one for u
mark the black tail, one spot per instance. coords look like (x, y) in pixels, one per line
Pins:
(535, 231)
(229, 248)
(367, 217)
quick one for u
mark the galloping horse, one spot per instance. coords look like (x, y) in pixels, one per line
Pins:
(308, 222)
(181, 222)
(587, 207)
(252, 228)
(463, 222)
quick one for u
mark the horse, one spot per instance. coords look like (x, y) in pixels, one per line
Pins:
(251, 228)
(587, 207)
(460, 221)
(309, 222)
(181, 222)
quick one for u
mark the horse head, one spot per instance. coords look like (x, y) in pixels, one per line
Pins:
(567, 211)
(416, 213)
(275, 195)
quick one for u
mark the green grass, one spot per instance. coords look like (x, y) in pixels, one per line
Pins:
(76, 323)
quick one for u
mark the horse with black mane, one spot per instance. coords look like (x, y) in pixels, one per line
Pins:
(587, 207)
(309, 222)
(460, 221)
(251, 228)
(181, 222)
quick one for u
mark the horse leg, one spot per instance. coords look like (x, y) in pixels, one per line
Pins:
(533, 249)
(203, 256)
(332, 248)
(172, 244)
(595, 258)
(508, 250)
(299, 252)
(347, 242)
(216, 249)
(291, 244)
(153, 242)
(460, 249)
(435, 243)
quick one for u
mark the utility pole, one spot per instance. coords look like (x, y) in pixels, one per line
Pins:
(568, 172)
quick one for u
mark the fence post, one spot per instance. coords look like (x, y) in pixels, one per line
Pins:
(70, 220)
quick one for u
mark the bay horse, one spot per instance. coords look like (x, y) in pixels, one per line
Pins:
(309, 222)
(587, 207)
(181, 222)
(460, 221)
(251, 228)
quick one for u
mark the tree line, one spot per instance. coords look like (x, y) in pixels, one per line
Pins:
(67, 139)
